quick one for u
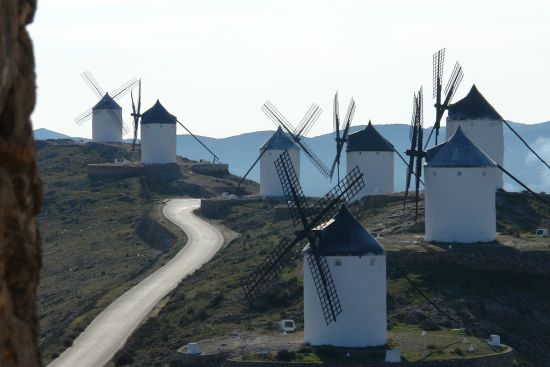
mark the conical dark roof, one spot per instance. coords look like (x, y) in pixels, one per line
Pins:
(279, 141)
(458, 151)
(345, 236)
(473, 107)
(368, 140)
(157, 115)
(106, 103)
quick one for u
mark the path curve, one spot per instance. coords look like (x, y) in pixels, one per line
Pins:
(108, 332)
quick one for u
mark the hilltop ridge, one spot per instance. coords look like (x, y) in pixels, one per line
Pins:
(516, 157)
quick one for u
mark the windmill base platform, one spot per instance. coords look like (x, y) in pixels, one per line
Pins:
(116, 169)
(247, 349)
(212, 169)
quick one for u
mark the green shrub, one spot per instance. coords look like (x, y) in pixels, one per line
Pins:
(123, 358)
(305, 348)
(285, 355)
(327, 351)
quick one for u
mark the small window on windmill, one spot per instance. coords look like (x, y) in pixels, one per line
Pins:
(434, 173)
(372, 261)
(459, 173)
(377, 153)
(337, 262)
(484, 173)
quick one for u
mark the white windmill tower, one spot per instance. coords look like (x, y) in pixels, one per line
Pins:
(459, 192)
(286, 138)
(344, 266)
(357, 263)
(374, 155)
(270, 151)
(483, 125)
(158, 135)
(107, 123)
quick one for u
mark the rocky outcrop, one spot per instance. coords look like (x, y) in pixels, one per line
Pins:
(20, 189)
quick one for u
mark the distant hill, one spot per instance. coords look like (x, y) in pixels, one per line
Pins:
(45, 134)
(240, 151)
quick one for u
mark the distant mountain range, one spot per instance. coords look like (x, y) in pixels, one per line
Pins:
(240, 151)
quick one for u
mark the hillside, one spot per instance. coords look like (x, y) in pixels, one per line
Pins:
(516, 156)
(476, 294)
(101, 236)
(517, 159)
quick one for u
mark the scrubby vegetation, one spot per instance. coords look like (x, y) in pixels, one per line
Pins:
(97, 242)
(481, 301)
(100, 236)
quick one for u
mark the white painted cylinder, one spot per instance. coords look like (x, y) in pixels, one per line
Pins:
(193, 348)
(494, 340)
(487, 134)
(377, 168)
(361, 286)
(270, 185)
(393, 356)
(105, 128)
(460, 204)
(158, 143)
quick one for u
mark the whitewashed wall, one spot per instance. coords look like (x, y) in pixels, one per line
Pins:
(488, 135)
(270, 184)
(361, 286)
(460, 204)
(105, 129)
(377, 168)
(158, 143)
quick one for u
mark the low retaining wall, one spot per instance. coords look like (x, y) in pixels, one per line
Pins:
(216, 207)
(280, 212)
(103, 170)
(216, 169)
(505, 258)
(503, 359)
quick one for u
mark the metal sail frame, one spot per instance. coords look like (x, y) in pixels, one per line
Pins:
(308, 217)
(99, 92)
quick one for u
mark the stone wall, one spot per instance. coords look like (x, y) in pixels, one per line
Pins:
(213, 169)
(501, 259)
(106, 170)
(495, 360)
(20, 189)
(217, 207)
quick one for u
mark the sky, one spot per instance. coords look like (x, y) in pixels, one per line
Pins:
(213, 63)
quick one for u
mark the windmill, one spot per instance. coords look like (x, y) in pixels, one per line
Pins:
(416, 152)
(340, 140)
(450, 90)
(136, 113)
(297, 132)
(106, 103)
(309, 217)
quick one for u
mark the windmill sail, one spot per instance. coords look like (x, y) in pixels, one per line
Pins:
(274, 115)
(309, 217)
(340, 139)
(450, 90)
(100, 93)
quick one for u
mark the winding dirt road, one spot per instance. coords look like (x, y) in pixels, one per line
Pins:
(108, 332)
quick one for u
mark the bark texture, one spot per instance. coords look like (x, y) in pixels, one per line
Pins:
(20, 189)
